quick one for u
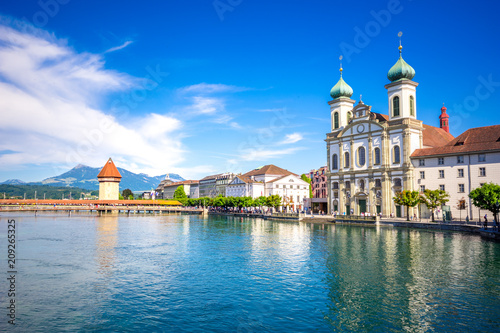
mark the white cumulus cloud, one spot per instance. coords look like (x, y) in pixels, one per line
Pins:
(49, 101)
(292, 138)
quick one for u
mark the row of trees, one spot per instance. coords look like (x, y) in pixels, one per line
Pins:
(227, 202)
(485, 197)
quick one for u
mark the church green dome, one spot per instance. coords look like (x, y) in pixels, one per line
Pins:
(341, 89)
(400, 70)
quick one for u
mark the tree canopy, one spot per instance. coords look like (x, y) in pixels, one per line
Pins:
(179, 193)
(487, 197)
(308, 180)
(127, 193)
(407, 198)
(433, 199)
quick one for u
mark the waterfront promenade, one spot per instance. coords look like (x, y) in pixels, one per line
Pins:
(101, 206)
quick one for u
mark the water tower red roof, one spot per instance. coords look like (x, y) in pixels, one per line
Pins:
(109, 170)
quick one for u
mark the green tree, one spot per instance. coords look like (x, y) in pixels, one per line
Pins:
(220, 201)
(433, 199)
(273, 201)
(260, 201)
(407, 198)
(126, 193)
(308, 180)
(487, 197)
(179, 193)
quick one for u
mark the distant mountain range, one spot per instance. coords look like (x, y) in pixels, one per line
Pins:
(85, 177)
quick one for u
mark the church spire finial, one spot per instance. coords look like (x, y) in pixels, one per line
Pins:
(400, 46)
(341, 69)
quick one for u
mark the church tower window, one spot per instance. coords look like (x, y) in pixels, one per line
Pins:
(346, 160)
(335, 165)
(412, 103)
(336, 120)
(395, 106)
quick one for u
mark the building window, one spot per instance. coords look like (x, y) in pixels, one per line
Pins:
(460, 173)
(335, 185)
(335, 162)
(422, 188)
(362, 185)
(441, 187)
(397, 157)
(421, 162)
(377, 156)
(441, 173)
(378, 183)
(460, 159)
(461, 188)
(412, 107)
(441, 161)
(481, 158)
(482, 172)
(336, 120)
(347, 184)
(361, 156)
(397, 182)
(395, 106)
(422, 174)
(349, 117)
(346, 160)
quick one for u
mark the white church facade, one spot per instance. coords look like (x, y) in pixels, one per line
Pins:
(369, 153)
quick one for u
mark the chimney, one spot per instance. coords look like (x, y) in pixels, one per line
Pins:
(443, 119)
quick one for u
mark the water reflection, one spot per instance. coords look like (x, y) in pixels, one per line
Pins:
(106, 242)
(405, 279)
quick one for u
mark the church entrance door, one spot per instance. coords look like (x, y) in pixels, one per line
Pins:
(362, 206)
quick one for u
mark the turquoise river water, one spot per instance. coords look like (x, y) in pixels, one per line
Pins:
(181, 273)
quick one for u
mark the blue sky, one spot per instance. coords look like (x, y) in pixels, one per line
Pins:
(202, 87)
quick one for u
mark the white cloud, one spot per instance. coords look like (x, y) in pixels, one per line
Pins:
(49, 97)
(207, 88)
(267, 154)
(292, 138)
(206, 105)
(116, 48)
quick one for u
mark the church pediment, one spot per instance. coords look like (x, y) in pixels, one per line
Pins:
(361, 127)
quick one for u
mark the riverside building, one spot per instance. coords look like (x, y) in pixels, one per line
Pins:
(270, 180)
(372, 156)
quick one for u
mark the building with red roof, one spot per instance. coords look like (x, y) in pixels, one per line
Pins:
(372, 156)
(109, 181)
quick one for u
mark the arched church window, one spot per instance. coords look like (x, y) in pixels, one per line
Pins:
(412, 107)
(378, 183)
(397, 154)
(349, 117)
(346, 160)
(361, 156)
(348, 185)
(395, 106)
(336, 120)
(376, 156)
(397, 182)
(335, 162)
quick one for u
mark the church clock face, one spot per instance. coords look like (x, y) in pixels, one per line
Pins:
(360, 128)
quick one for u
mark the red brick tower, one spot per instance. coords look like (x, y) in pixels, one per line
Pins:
(443, 120)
